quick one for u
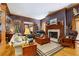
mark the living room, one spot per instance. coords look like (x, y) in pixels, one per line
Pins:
(41, 29)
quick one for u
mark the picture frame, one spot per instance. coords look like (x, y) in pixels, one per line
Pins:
(53, 21)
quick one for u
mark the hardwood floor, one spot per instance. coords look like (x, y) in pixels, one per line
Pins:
(9, 51)
(68, 51)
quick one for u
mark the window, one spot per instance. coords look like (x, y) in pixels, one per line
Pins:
(27, 30)
(44, 26)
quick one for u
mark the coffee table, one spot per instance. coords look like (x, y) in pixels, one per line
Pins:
(29, 50)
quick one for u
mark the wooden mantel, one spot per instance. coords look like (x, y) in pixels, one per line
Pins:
(56, 26)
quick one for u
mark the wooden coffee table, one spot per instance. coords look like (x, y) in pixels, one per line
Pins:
(30, 50)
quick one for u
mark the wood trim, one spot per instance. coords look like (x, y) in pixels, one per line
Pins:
(56, 26)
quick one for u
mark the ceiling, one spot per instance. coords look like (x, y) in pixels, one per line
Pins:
(35, 10)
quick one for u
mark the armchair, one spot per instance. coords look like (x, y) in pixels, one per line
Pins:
(73, 34)
(43, 38)
(70, 40)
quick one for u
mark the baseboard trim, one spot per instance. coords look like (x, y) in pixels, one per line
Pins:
(77, 41)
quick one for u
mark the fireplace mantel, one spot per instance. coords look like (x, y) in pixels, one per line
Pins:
(56, 26)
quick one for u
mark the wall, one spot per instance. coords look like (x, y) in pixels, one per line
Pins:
(64, 14)
(70, 17)
(27, 19)
(60, 15)
(70, 13)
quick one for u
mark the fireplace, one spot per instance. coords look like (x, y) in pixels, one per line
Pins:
(54, 34)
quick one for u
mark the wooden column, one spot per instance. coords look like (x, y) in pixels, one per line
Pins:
(5, 49)
(3, 23)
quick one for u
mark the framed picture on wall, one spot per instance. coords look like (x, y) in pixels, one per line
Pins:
(53, 21)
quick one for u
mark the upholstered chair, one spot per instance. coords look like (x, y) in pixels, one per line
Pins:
(42, 39)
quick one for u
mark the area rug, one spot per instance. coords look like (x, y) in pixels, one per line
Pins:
(48, 49)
